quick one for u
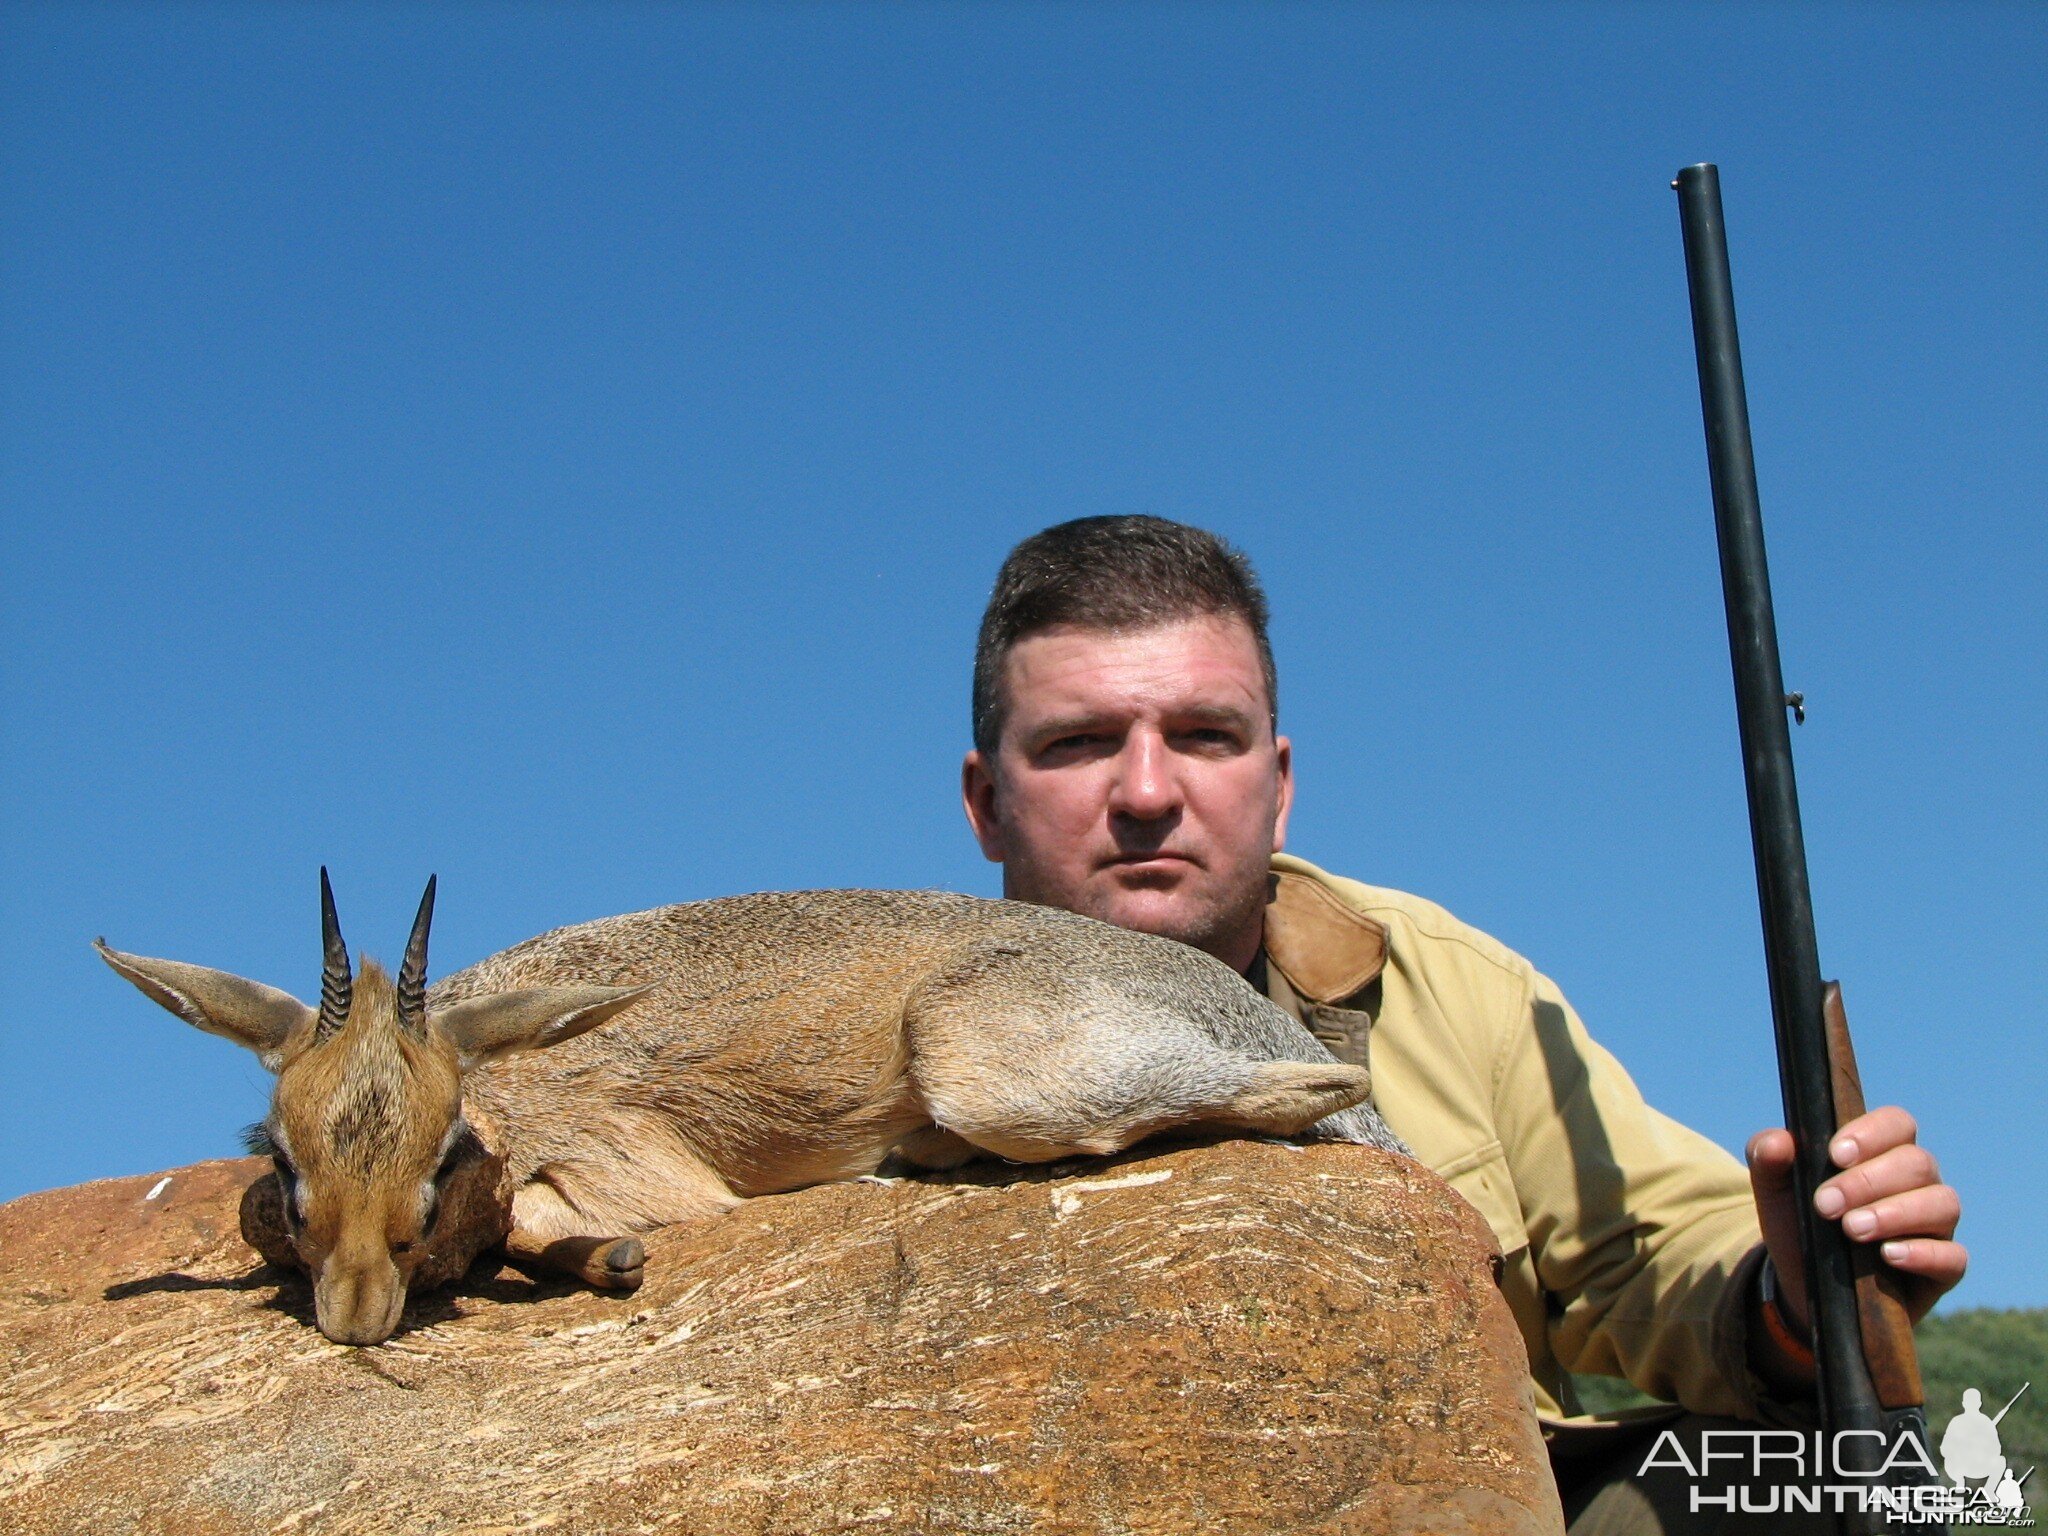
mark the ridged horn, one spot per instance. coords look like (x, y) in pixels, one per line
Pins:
(337, 986)
(412, 975)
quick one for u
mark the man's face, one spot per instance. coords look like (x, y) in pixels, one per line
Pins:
(1138, 780)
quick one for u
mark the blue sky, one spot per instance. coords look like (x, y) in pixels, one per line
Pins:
(567, 449)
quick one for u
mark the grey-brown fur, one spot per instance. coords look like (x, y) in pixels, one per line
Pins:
(852, 1011)
(781, 1040)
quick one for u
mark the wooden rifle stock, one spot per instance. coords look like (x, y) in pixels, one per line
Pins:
(1883, 1322)
(1868, 1374)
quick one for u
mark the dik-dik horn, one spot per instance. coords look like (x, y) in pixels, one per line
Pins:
(366, 1129)
(773, 1041)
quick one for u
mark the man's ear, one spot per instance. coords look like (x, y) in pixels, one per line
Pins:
(246, 1012)
(529, 1020)
(978, 798)
(1283, 751)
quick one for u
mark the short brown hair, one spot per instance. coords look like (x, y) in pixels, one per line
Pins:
(1130, 572)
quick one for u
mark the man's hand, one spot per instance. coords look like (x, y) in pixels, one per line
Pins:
(1889, 1192)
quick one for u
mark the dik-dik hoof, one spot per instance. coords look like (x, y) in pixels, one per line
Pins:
(620, 1266)
(1290, 1096)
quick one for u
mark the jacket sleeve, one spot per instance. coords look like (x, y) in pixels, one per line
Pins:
(1643, 1233)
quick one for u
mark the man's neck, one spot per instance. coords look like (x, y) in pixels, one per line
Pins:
(1255, 973)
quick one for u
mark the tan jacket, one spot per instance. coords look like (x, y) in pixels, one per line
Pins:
(1630, 1241)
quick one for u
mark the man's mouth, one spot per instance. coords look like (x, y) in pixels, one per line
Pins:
(1159, 860)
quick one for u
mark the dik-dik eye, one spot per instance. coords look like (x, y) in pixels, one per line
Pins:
(457, 1155)
(287, 1181)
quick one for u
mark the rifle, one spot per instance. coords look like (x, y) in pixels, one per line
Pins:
(1869, 1372)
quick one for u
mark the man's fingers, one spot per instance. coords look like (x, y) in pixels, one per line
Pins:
(1939, 1263)
(1870, 1134)
(1889, 1193)
(1777, 1202)
(1770, 1156)
(1931, 1212)
(1770, 1159)
(1889, 1173)
(1932, 1268)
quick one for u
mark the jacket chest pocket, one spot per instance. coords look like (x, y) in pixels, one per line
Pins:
(1481, 1176)
(1345, 1032)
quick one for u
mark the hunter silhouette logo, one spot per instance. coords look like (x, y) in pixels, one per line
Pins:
(1783, 1471)
(1971, 1453)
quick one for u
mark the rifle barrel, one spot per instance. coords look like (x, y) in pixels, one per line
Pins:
(1848, 1399)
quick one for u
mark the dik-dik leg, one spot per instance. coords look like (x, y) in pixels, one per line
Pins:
(550, 1233)
(579, 1217)
(1035, 1067)
(935, 1149)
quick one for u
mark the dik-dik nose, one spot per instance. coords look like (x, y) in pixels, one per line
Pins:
(359, 1304)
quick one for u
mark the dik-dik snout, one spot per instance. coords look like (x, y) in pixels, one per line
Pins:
(377, 1176)
(360, 1132)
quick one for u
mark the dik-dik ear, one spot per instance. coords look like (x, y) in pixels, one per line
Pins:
(247, 1012)
(483, 1027)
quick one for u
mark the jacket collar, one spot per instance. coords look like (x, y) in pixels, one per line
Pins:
(1327, 952)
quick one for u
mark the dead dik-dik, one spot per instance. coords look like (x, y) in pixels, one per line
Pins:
(773, 1041)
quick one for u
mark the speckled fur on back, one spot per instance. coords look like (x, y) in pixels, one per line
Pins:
(794, 1037)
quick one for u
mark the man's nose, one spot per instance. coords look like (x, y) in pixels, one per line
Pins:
(1145, 787)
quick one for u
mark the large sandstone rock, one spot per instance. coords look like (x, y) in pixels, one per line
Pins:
(1242, 1337)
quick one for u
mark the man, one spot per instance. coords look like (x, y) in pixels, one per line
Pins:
(1127, 765)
